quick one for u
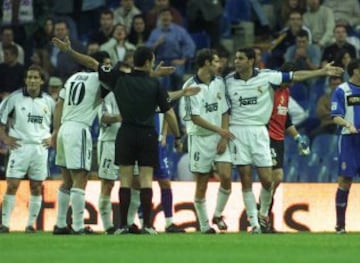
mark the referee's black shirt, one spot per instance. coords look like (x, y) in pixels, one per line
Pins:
(137, 94)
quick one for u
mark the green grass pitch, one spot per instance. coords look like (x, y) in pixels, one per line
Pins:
(182, 248)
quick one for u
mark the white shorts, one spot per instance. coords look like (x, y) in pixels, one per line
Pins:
(250, 146)
(203, 153)
(74, 146)
(106, 160)
(30, 159)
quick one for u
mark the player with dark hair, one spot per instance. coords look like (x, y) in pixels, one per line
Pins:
(28, 114)
(345, 110)
(75, 112)
(208, 137)
(251, 98)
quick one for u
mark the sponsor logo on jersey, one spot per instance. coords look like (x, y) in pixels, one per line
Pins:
(334, 105)
(281, 110)
(247, 101)
(353, 100)
(35, 118)
(210, 107)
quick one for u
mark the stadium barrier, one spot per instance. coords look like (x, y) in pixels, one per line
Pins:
(298, 207)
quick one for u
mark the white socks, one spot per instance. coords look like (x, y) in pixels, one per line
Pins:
(63, 200)
(222, 198)
(265, 201)
(250, 206)
(7, 207)
(201, 211)
(105, 211)
(77, 200)
(34, 208)
(134, 206)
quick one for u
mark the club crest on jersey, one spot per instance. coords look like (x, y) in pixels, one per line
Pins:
(343, 165)
(218, 95)
(106, 68)
(259, 90)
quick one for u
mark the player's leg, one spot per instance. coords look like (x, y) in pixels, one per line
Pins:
(249, 197)
(341, 200)
(12, 184)
(38, 171)
(224, 170)
(134, 203)
(126, 174)
(63, 201)
(34, 205)
(105, 206)
(108, 173)
(266, 193)
(146, 194)
(77, 199)
(349, 164)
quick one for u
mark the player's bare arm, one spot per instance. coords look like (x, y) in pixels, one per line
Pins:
(11, 142)
(221, 147)
(327, 70)
(187, 92)
(57, 120)
(196, 119)
(110, 118)
(162, 71)
(85, 60)
(170, 118)
(342, 122)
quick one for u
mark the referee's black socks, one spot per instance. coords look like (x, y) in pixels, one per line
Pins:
(124, 199)
(146, 195)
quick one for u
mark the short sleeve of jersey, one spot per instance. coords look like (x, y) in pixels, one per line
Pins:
(6, 107)
(225, 103)
(107, 76)
(163, 100)
(62, 93)
(195, 104)
(338, 103)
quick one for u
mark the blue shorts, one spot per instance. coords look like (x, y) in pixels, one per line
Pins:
(162, 171)
(349, 155)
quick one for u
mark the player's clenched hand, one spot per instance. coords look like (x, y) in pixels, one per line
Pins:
(178, 145)
(351, 128)
(221, 147)
(226, 134)
(47, 143)
(64, 46)
(303, 145)
(12, 142)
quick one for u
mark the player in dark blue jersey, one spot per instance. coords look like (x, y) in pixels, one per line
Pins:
(345, 110)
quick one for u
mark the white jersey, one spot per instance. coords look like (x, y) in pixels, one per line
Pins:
(81, 95)
(30, 117)
(210, 104)
(252, 100)
(109, 106)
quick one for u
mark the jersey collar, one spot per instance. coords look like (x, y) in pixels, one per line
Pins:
(199, 81)
(255, 73)
(26, 94)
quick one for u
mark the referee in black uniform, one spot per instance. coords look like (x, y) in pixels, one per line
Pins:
(138, 95)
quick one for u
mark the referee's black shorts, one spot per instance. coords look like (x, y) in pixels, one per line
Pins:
(277, 153)
(136, 143)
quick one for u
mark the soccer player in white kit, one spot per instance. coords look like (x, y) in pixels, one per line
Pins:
(110, 121)
(28, 113)
(250, 93)
(208, 137)
(76, 108)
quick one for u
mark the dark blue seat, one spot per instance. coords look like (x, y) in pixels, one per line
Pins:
(201, 39)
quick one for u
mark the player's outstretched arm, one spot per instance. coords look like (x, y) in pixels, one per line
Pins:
(327, 70)
(188, 91)
(85, 60)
